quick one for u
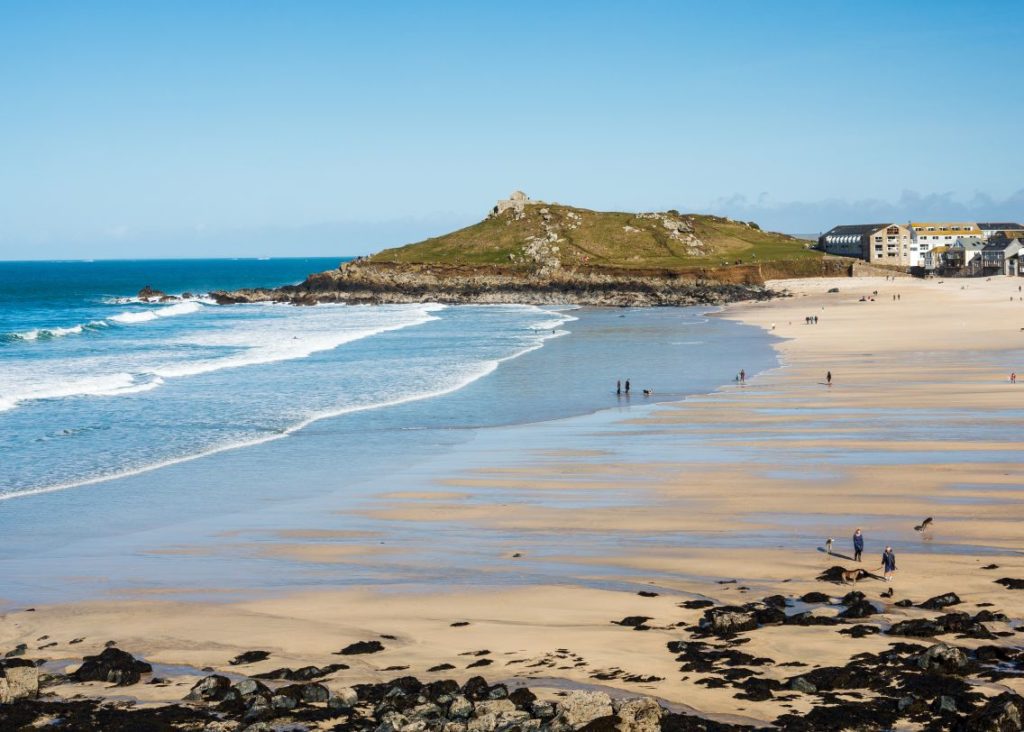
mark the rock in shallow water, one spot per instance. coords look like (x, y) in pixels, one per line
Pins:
(114, 666)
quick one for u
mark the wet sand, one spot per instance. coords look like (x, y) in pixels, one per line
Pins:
(727, 496)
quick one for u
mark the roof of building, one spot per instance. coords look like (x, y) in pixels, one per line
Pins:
(859, 229)
(970, 243)
(952, 228)
(1001, 245)
(1006, 226)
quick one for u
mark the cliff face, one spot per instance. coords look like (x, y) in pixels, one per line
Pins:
(387, 282)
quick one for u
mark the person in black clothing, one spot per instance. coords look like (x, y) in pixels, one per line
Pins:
(627, 386)
(618, 387)
(828, 378)
(888, 563)
(858, 545)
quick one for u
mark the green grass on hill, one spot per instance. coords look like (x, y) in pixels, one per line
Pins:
(604, 239)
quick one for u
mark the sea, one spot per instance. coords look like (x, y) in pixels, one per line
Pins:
(125, 424)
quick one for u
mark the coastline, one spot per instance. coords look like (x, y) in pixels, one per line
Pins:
(887, 440)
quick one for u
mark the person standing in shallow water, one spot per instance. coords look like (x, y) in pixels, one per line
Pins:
(858, 545)
(627, 386)
(618, 387)
(828, 378)
(888, 563)
(743, 376)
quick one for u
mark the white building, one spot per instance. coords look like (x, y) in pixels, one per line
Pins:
(926, 235)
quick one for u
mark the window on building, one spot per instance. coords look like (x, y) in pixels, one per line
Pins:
(878, 238)
(878, 247)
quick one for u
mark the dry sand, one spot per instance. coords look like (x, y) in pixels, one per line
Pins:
(753, 458)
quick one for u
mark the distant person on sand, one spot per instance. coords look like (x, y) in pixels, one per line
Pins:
(888, 563)
(618, 387)
(828, 546)
(1013, 377)
(743, 375)
(858, 545)
(627, 386)
(828, 378)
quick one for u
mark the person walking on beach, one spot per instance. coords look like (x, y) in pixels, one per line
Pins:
(743, 376)
(858, 545)
(828, 378)
(888, 563)
(618, 387)
(627, 386)
(1013, 377)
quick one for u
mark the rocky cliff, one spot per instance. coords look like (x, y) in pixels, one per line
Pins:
(367, 282)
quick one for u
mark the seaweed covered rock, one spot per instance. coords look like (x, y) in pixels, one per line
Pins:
(940, 601)
(1004, 713)
(944, 658)
(113, 666)
(728, 620)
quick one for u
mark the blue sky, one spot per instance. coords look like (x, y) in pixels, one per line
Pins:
(270, 128)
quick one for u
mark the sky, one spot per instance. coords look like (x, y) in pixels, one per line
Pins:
(258, 128)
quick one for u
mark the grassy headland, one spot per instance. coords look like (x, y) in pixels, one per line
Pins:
(543, 234)
(550, 253)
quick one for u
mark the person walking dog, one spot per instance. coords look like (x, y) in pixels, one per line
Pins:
(888, 563)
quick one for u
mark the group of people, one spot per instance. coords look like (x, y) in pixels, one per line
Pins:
(811, 320)
(888, 556)
(620, 392)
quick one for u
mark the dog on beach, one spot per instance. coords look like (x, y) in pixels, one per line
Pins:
(828, 546)
(850, 576)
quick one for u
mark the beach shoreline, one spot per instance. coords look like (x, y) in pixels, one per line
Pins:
(916, 422)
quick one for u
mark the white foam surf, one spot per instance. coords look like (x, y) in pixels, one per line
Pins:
(468, 375)
(164, 311)
(262, 342)
(41, 334)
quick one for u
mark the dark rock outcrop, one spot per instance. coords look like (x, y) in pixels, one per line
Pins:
(1010, 583)
(940, 601)
(249, 657)
(113, 666)
(361, 647)
(383, 282)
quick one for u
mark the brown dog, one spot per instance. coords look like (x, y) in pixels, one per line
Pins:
(850, 576)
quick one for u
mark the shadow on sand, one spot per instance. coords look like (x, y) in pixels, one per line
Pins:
(835, 554)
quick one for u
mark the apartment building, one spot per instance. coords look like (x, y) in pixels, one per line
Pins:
(875, 243)
(926, 235)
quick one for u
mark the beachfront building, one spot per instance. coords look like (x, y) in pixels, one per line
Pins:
(926, 235)
(936, 259)
(875, 243)
(1010, 230)
(1001, 257)
(963, 257)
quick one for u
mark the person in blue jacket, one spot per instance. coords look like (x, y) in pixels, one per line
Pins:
(888, 563)
(858, 544)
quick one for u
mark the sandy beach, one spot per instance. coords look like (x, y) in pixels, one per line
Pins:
(726, 497)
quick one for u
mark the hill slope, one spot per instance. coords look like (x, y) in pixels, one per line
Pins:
(532, 252)
(550, 236)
